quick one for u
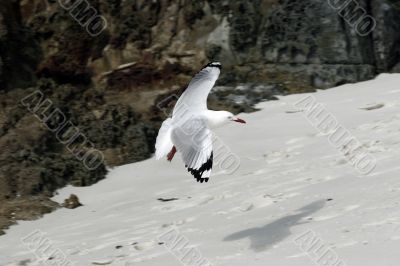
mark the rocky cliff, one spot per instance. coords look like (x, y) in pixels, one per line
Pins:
(110, 85)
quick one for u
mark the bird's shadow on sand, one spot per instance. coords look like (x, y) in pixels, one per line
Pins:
(264, 237)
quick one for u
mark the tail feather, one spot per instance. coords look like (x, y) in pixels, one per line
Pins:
(164, 143)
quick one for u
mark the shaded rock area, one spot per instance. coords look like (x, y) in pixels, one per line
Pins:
(24, 208)
(72, 202)
(118, 86)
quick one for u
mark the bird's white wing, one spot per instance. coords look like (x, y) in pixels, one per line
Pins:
(195, 95)
(164, 143)
(194, 142)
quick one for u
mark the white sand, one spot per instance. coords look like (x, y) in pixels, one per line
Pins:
(252, 217)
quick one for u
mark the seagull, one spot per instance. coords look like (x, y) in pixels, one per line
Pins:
(188, 131)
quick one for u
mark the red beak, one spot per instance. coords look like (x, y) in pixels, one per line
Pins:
(239, 120)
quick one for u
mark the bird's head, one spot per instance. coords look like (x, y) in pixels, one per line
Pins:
(219, 118)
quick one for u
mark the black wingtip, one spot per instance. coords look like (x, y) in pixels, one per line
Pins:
(197, 173)
(201, 180)
(214, 64)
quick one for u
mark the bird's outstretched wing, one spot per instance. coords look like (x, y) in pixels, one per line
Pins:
(195, 145)
(195, 96)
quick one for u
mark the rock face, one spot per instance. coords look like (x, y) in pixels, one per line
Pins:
(17, 60)
(110, 86)
(308, 44)
(72, 202)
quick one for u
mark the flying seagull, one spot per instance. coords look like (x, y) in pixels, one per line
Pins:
(188, 131)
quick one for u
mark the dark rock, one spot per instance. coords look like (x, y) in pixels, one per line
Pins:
(72, 202)
(168, 199)
(24, 208)
(19, 50)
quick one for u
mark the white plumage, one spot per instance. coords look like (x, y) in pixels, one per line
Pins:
(188, 131)
(164, 143)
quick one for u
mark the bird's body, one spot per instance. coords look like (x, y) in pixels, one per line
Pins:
(188, 131)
